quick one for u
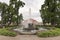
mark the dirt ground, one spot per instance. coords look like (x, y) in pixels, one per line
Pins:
(28, 37)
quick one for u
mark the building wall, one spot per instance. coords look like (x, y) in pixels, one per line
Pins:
(26, 22)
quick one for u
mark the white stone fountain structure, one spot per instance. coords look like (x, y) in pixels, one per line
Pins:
(27, 26)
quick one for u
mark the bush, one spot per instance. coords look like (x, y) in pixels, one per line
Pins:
(48, 27)
(6, 32)
(11, 26)
(50, 33)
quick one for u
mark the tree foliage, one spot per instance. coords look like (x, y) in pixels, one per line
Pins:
(50, 12)
(20, 18)
(10, 13)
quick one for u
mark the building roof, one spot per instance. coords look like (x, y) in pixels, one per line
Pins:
(30, 20)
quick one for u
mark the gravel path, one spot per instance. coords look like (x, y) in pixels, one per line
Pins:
(28, 37)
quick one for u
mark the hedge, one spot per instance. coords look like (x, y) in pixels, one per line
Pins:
(49, 33)
(6, 32)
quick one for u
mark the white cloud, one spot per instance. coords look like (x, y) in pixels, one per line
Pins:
(6, 1)
(35, 6)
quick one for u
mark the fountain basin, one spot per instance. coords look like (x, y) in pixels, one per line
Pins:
(25, 32)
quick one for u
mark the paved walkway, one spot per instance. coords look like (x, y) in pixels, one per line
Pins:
(28, 37)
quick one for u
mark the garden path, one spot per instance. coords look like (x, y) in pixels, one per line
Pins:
(28, 37)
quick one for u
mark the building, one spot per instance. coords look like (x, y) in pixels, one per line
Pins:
(30, 22)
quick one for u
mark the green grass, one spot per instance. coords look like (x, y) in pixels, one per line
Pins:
(6, 32)
(49, 33)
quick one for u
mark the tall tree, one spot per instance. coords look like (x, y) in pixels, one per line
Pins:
(10, 13)
(3, 11)
(16, 5)
(50, 11)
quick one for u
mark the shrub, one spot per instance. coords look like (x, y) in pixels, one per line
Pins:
(48, 27)
(6, 32)
(49, 33)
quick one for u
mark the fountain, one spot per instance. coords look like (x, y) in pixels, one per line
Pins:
(28, 27)
(29, 30)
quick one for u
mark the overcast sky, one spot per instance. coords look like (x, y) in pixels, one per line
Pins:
(35, 6)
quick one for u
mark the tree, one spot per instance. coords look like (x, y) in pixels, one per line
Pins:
(16, 5)
(3, 11)
(50, 11)
(10, 13)
(20, 18)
